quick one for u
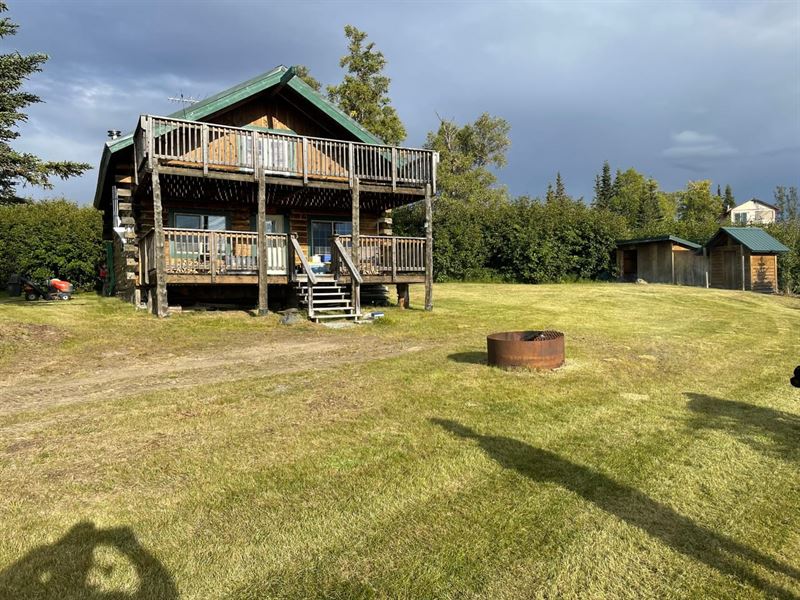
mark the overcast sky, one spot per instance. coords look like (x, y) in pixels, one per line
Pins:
(678, 90)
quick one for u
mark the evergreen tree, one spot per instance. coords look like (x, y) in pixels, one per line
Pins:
(549, 195)
(561, 192)
(363, 94)
(779, 196)
(792, 206)
(650, 207)
(603, 188)
(22, 167)
(615, 185)
(728, 201)
(719, 191)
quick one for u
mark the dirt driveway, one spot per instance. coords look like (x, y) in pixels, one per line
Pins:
(47, 380)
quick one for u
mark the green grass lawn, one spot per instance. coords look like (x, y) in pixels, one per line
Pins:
(218, 455)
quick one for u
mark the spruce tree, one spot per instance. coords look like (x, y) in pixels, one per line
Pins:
(605, 183)
(650, 207)
(22, 167)
(728, 202)
(719, 192)
(364, 92)
(780, 202)
(561, 192)
(603, 188)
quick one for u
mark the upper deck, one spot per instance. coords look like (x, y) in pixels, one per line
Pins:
(239, 153)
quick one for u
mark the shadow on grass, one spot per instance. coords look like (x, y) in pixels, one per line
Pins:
(69, 568)
(632, 506)
(749, 423)
(473, 358)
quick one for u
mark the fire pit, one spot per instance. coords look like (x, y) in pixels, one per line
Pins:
(533, 349)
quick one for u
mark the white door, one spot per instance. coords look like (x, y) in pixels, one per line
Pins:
(276, 246)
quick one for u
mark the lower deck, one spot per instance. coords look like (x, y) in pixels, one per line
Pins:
(203, 257)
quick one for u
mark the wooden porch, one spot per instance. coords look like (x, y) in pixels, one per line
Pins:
(198, 256)
(297, 173)
(243, 153)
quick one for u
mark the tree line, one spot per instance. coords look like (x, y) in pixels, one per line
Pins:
(482, 232)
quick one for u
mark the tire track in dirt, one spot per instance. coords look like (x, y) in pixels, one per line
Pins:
(42, 387)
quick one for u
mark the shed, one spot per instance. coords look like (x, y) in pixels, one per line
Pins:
(744, 258)
(662, 259)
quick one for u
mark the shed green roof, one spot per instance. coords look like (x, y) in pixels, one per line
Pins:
(662, 238)
(280, 75)
(754, 238)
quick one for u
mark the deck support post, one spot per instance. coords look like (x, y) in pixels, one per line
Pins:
(355, 249)
(428, 249)
(705, 264)
(262, 245)
(161, 304)
(403, 300)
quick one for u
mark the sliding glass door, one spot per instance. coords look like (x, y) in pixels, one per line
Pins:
(321, 234)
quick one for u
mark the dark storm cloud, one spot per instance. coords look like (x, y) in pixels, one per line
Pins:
(677, 90)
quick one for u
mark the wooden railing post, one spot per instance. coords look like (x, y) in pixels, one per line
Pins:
(351, 163)
(394, 258)
(148, 140)
(428, 249)
(305, 160)
(290, 259)
(256, 158)
(204, 143)
(212, 254)
(394, 169)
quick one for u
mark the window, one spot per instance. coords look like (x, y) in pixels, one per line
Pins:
(323, 231)
(740, 218)
(194, 246)
(200, 221)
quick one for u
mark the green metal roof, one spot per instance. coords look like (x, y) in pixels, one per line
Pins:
(662, 238)
(280, 75)
(754, 238)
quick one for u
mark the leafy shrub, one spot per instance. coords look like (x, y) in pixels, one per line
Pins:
(53, 238)
(788, 233)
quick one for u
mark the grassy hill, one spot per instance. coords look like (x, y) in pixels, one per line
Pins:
(217, 455)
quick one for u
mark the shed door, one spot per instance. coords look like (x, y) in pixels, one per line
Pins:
(731, 270)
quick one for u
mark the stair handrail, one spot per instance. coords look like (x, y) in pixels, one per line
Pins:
(312, 278)
(348, 260)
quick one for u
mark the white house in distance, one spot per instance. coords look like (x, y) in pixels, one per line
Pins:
(752, 212)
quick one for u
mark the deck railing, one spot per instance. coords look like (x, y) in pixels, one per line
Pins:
(214, 253)
(219, 147)
(385, 255)
(200, 251)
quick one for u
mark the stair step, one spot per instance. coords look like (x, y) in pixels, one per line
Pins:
(332, 301)
(347, 309)
(347, 316)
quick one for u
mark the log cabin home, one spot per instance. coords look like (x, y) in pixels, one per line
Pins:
(268, 191)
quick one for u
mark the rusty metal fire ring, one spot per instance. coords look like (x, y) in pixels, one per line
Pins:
(532, 349)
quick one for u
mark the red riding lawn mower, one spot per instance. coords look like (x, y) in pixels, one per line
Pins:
(51, 289)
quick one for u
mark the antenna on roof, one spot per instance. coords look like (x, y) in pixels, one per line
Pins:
(184, 100)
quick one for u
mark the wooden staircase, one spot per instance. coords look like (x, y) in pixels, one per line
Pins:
(325, 300)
